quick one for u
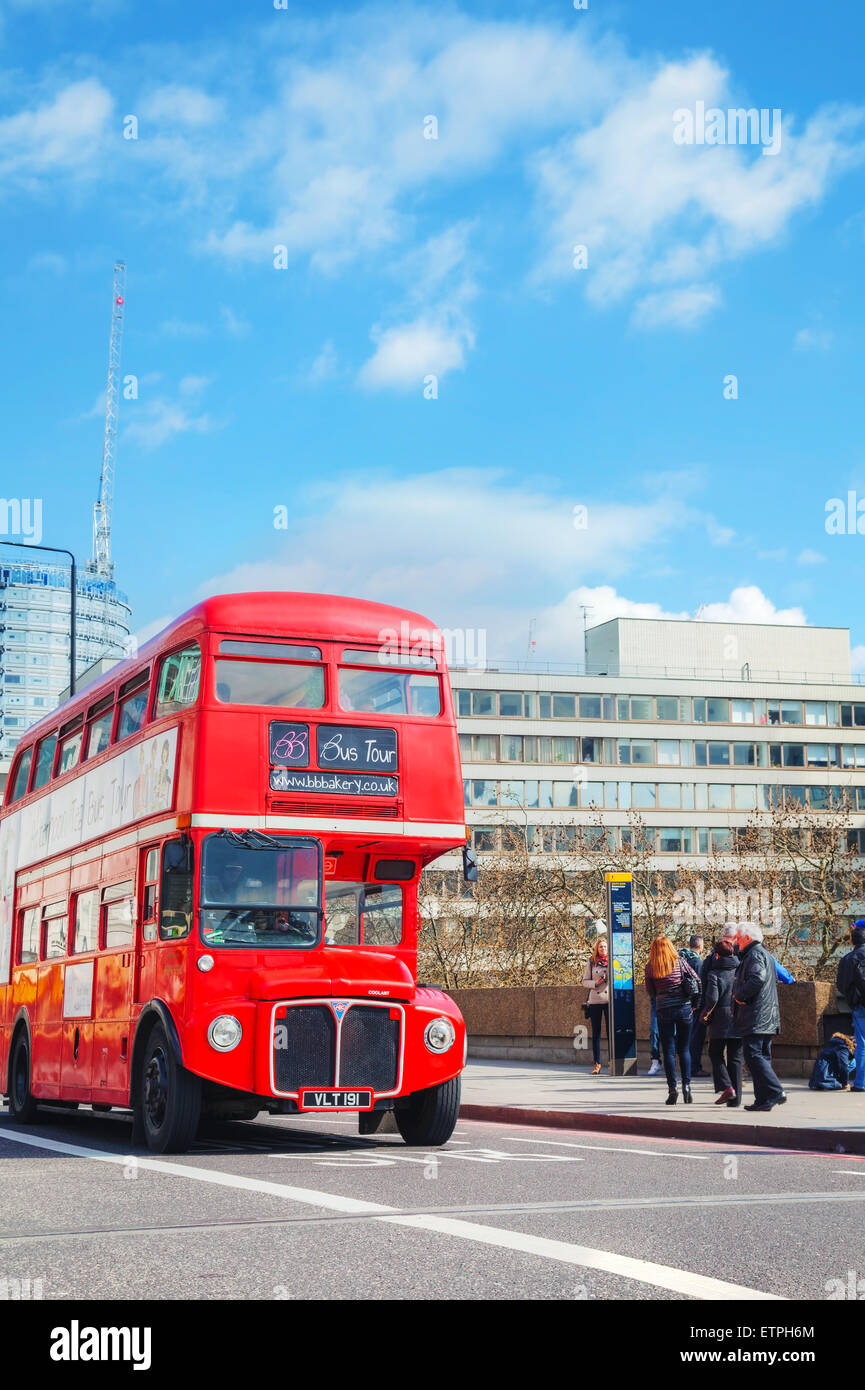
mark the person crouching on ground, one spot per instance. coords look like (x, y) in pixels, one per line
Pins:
(725, 1051)
(598, 1000)
(667, 982)
(756, 1014)
(833, 1067)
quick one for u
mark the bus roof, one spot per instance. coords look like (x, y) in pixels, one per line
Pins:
(329, 617)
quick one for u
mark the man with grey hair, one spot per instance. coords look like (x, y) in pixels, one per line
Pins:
(756, 1015)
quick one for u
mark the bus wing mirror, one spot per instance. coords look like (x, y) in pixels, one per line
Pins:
(470, 865)
(175, 856)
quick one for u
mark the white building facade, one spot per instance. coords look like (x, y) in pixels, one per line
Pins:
(695, 726)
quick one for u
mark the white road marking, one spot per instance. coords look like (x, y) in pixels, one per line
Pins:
(611, 1149)
(644, 1271)
(854, 1172)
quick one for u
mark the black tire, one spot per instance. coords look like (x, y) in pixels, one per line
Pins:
(22, 1103)
(430, 1117)
(168, 1099)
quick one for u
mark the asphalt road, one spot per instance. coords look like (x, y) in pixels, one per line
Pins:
(304, 1208)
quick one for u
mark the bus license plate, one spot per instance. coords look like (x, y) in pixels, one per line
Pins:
(336, 1100)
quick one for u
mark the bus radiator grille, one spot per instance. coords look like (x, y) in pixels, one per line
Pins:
(305, 1054)
(369, 1048)
(349, 810)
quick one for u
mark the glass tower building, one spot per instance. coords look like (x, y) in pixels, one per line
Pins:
(34, 640)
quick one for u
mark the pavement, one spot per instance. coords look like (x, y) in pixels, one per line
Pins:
(570, 1097)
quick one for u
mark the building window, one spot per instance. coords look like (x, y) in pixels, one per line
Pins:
(483, 702)
(564, 706)
(512, 748)
(590, 707)
(511, 704)
(485, 838)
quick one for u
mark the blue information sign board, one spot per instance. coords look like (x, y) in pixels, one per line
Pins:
(623, 1023)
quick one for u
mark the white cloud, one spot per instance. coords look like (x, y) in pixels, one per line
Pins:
(407, 353)
(323, 367)
(50, 262)
(63, 135)
(813, 340)
(156, 422)
(234, 326)
(810, 557)
(651, 211)
(560, 627)
(681, 308)
(179, 105)
(193, 385)
(468, 547)
(748, 604)
(181, 328)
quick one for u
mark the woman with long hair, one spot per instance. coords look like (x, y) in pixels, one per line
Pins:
(666, 980)
(598, 999)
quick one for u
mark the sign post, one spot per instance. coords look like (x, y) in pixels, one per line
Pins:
(622, 1022)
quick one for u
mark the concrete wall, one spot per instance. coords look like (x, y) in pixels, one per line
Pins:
(537, 1024)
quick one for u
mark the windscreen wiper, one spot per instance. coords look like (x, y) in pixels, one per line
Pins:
(252, 839)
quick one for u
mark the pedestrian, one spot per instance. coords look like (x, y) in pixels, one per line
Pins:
(756, 1014)
(693, 954)
(673, 984)
(834, 1065)
(654, 1039)
(851, 984)
(725, 1050)
(598, 999)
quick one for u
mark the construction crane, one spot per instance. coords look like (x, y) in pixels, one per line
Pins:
(101, 563)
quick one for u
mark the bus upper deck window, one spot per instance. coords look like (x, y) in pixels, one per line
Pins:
(44, 761)
(389, 692)
(22, 775)
(283, 683)
(178, 681)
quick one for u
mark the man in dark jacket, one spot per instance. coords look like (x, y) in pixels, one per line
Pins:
(756, 1015)
(851, 983)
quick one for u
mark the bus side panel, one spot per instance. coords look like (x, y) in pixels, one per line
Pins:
(47, 1032)
(112, 1030)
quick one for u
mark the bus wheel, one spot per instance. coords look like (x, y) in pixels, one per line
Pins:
(430, 1116)
(22, 1104)
(169, 1098)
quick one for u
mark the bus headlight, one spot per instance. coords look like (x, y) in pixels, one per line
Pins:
(439, 1035)
(224, 1033)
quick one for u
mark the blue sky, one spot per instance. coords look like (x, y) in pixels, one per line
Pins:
(303, 387)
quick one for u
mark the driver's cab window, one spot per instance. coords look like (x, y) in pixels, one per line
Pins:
(175, 896)
(362, 914)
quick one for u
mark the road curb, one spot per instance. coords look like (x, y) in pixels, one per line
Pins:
(786, 1137)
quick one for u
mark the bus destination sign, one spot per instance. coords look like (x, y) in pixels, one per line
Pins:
(356, 749)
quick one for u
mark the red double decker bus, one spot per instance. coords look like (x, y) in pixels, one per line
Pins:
(209, 866)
